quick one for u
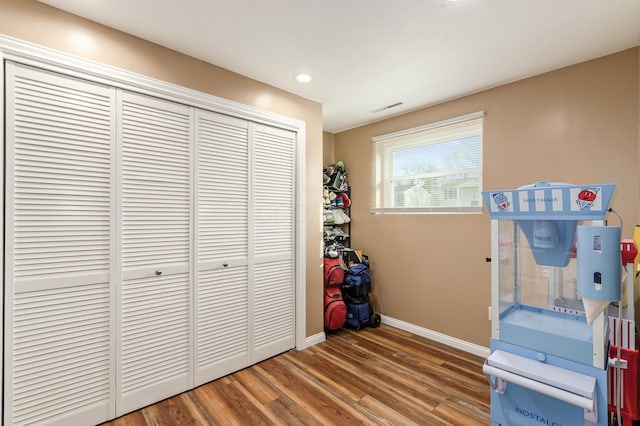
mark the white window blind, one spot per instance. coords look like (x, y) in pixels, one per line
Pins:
(435, 168)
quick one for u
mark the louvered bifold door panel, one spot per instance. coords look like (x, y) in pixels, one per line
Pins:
(60, 138)
(222, 315)
(155, 300)
(274, 235)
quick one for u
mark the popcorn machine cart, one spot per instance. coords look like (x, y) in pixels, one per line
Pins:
(556, 269)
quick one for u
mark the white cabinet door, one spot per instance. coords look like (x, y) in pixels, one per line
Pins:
(273, 208)
(222, 298)
(155, 296)
(60, 138)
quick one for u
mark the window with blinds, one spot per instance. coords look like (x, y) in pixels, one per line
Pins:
(435, 168)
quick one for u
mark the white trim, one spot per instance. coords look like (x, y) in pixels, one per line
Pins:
(427, 210)
(463, 345)
(301, 239)
(4, 385)
(42, 57)
(313, 340)
(117, 268)
(251, 229)
(454, 120)
(193, 259)
(194, 267)
(7, 223)
(454, 342)
(114, 261)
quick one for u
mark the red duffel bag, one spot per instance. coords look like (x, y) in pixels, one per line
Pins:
(335, 311)
(333, 272)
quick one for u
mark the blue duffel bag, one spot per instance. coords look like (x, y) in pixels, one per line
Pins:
(357, 275)
(356, 284)
(357, 314)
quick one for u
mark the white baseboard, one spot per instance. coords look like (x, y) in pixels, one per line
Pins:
(454, 342)
(438, 337)
(313, 340)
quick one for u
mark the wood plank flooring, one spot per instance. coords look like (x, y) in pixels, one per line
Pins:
(382, 376)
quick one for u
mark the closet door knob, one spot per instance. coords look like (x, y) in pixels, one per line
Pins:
(158, 271)
(225, 264)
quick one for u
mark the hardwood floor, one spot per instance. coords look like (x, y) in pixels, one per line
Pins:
(382, 376)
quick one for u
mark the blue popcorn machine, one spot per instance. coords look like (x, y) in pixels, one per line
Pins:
(555, 270)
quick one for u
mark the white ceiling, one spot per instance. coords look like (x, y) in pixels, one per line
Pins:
(367, 54)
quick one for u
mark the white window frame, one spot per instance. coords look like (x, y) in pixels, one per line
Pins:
(384, 146)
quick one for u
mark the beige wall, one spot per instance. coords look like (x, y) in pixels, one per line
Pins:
(429, 270)
(35, 22)
(578, 124)
(327, 148)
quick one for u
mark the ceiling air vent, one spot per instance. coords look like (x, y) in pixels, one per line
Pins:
(387, 107)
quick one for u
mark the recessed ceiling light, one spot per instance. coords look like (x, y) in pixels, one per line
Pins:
(303, 78)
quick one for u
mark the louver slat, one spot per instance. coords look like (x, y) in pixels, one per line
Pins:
(60, 142)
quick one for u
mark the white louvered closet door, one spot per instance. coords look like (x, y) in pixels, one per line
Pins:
(273, 241)
(155, 298)
(222, 295)
(59, 221)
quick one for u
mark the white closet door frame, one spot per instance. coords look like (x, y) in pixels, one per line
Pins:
(49, 59)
